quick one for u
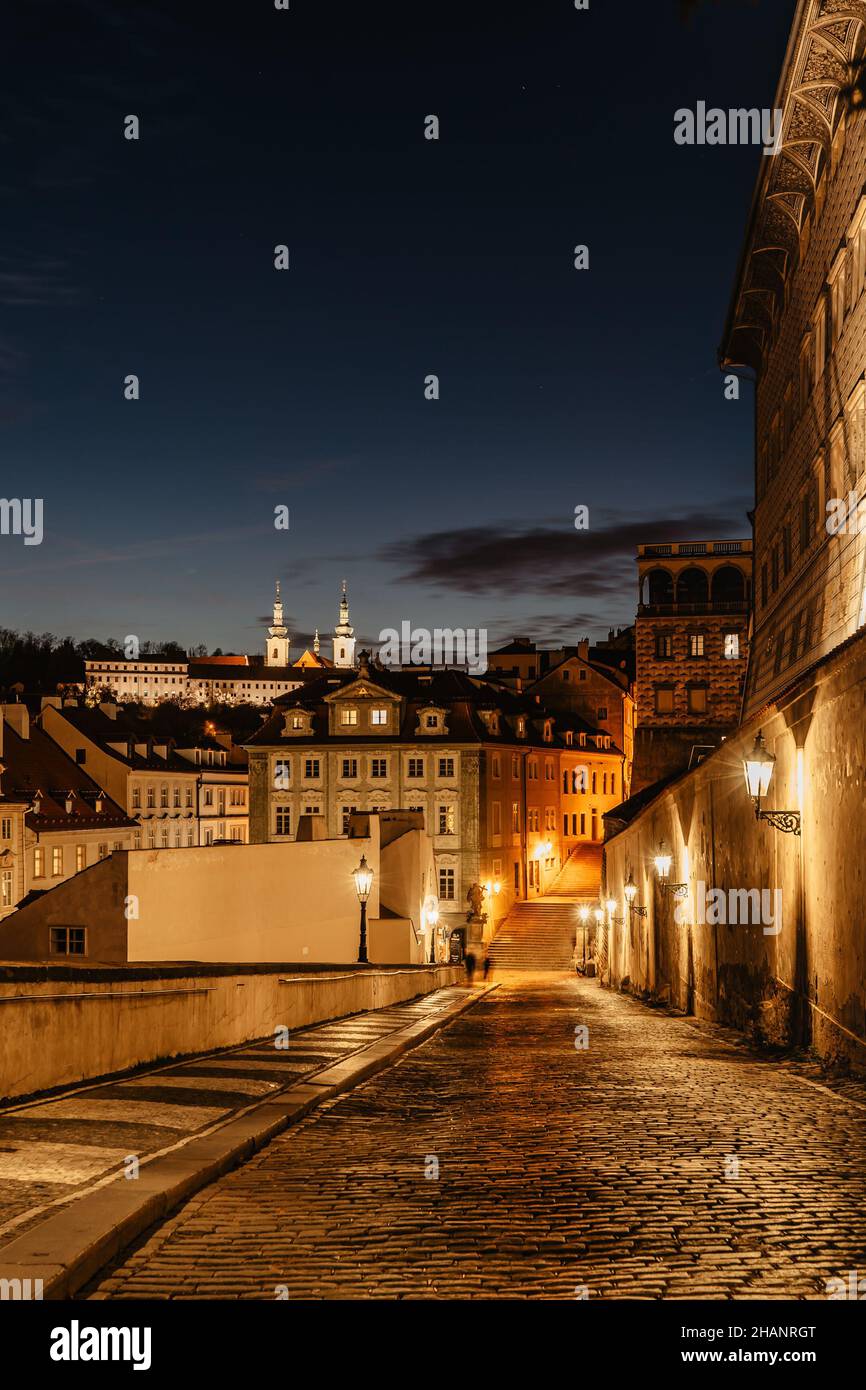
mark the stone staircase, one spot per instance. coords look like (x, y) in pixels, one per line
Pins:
(540, 934)
(537, 935)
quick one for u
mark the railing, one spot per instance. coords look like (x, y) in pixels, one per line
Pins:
(668, 610)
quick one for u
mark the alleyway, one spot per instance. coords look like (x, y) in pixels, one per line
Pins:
(659, 1162)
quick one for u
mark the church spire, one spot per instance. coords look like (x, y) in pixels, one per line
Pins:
(278, 643)
(344, 634)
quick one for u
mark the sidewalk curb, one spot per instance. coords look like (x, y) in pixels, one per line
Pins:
(68, 1249)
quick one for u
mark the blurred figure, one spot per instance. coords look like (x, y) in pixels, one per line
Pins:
(485, 969)
(469, 962)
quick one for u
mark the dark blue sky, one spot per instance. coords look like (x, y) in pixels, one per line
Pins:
(408, 257)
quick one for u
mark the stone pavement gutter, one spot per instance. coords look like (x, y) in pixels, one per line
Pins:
(67, 1249)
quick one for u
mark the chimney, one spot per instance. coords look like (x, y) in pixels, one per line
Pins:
(583, 648)
(18, 718)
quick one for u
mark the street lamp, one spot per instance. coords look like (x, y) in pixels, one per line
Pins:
(663, 861)
(432, 918)
(630, 891)
(363, 877)
(758, 771)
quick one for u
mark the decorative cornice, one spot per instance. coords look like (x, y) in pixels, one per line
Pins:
(827, 40)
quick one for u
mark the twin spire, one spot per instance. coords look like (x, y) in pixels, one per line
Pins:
(279, 641)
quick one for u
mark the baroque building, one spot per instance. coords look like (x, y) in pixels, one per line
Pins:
(692, 644)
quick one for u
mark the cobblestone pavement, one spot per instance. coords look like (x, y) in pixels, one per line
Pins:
(658, 1163)
(53, 1150)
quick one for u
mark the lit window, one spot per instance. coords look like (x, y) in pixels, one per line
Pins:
(348, 716)
(696, 644)
(56, 861)
(664, 701)
(732, 645)
(446, 820)
(378, 716)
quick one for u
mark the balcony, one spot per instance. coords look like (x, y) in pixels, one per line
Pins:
(683, 610)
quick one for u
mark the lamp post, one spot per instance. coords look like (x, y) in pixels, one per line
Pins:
(663, 861)
(432, 919)
(363, 877)
(630, 891)
(758, 771)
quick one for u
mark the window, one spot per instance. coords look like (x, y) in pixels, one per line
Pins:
(515, 766)
(806, 370)
(732, 646)
(697, 699)
(6, 828)
(594, 783)
(806, 519)
(604, 783)
(664, 646)
(163, 797)
(566, 674)
(446, 885)
(163, 838)
(549, 771)
(56, 861)
(189, 796)
(81, 755)
(496, 818)
(602, 712)
(582, 674)
(696, 644)
(284, 820)
(415, 767)
(317, 810)
(6, 888)
(282, 774)
(349, 716)
(613, 784)
(764, 583)
(446, 767)
(532, 770)
(378, 767)
(379, 716)
(176, 797)
(583, 822)
(515, 817)
(820, 338)
(664, 700)
(67, 941)
(151, 798)
(81, 857)
(237, 796)
(349, 768)
(347, 812)
(311, 767)
(495, 767)
(516, 876)
(208, 796)
(446, 820)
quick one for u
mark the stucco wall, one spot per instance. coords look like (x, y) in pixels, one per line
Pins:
(806, 980)
(68, 1025)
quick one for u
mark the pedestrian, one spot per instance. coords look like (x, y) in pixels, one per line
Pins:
(469, 962)
(485, 969)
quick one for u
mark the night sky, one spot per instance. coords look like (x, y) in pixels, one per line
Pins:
(407, 257)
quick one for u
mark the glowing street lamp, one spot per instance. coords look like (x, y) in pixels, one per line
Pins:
(432, 919)
(758, 771)
(363, 877)
(630, 891)
(663, 861)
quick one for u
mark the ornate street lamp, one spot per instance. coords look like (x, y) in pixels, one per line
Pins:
(432, 919)
(363, 877)
(663, 861)
(758, 771)
(630, 891)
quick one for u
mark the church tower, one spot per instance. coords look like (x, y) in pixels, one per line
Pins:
(344, 635)
(278, 643)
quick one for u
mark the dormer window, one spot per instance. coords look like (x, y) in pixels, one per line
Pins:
(521, 727)
(583, 740)
(99, 802)
(569, 738)
(348, 715)
(69, 802)
(548, 731)
(378, 715)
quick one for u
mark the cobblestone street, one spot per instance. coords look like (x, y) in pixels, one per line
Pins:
(660, 1162)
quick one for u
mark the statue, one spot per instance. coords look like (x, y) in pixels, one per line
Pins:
(475, 899)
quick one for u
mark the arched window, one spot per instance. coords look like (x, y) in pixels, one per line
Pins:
(729, 585)
(658, 587)
(692, 586)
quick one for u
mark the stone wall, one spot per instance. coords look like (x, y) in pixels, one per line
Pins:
(802, 979)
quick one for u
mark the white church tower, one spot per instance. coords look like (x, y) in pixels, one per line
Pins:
(278, 643)
(344, 635)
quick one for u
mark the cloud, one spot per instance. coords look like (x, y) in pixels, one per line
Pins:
(596, 563)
